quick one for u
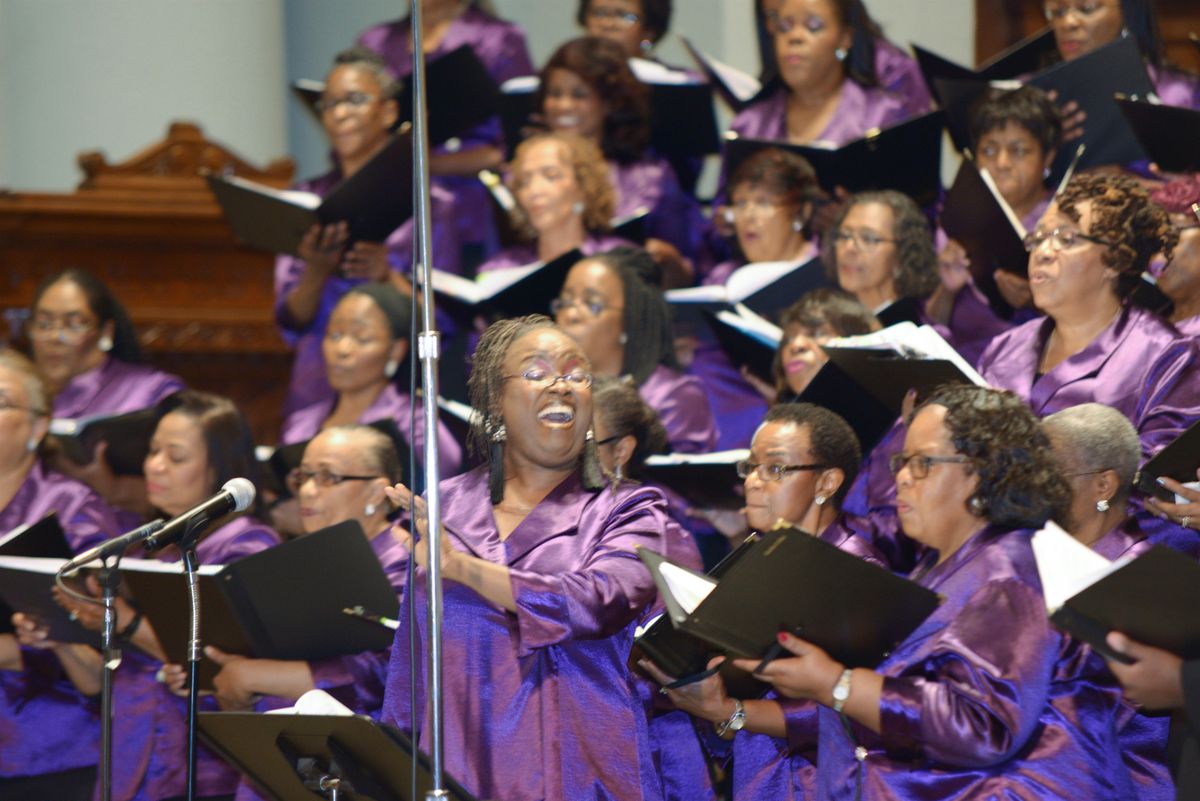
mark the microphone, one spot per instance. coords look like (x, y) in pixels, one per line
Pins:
(117, 545)
(235, 496)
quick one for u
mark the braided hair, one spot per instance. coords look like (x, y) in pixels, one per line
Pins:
(646, 319)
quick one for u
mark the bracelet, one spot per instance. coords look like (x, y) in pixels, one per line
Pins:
(127, 632)
(841, 690)
(736, 721)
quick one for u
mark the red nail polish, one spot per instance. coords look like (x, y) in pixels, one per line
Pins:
(781, 636)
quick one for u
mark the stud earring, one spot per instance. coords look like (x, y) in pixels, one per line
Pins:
(841, 53)
(390, 368)
(1102, 505)
(819, 500)
(577, 207)
(975, 505)
(797, 226)
(369, 509)
(646, 46)
(623, 338)
(105, 343)
(31, 445)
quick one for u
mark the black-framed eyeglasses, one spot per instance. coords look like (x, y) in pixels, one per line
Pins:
(918, 464)
(541, 377)
(594, 306)
(1060, 239)
(1057, 11)
(354, 100)
(863, 240)
(609, 440)
(298, 477)
(626, 19)
(772, 472)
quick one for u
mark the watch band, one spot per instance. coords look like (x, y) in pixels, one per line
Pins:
(841, 690)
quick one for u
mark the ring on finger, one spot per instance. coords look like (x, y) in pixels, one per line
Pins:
(1185, 521)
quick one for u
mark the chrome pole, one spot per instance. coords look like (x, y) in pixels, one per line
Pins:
(428, 351)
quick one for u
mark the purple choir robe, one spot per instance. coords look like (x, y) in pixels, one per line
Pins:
(308, 384)
(1175, 88)
(1141, 737)
(114, 387)
(683, 408)
(539, 705)
(984, 700)
(900, 75)
(650, 185)
(150, 728)
(785, 769)
(392, 403)
(859, 110)
(502, 49)
(1189, 327)
(46, 725)
(523, 255)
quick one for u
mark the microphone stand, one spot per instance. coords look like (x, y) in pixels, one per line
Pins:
(187, 547)
(110, 579)
(428, 351)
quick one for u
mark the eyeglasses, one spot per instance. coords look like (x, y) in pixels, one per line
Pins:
(918, 464)
(354, 100)
(541, 377)
(69, 330)
(1058, 11)
(1060, 239)
(594, 306)
(325, 478)
(626, 19)
(6, 405)
(863, 240)
(759, 208)
(772, 472)
(1015, 152)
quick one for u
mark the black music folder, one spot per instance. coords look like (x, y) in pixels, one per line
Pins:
(282, 603)
(42, 539)
(765, 288)
(287, 756)
(976, 215)
(1178, 460)
(507, 292)
(1026, 56)
(26, 584)
(705, 480)
(460, 95)
(792, 581)
(128, 437)
(1169, 135)
(281, 460)
(737, 88)
(888, 376)
(746, 344)
(906, 157)
(373, 202)
(833, 389)
(1152, 597)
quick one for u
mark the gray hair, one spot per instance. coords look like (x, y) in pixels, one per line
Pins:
(35, 384)
(1096, 437)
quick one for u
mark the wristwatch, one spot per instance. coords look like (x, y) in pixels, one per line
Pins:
(841, 690)
(736, 721)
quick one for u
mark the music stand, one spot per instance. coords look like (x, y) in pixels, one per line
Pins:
(339, 758)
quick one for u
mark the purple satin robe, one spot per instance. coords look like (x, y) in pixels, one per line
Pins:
(1141, 736)
(1175, 88)
(859, 110)
(502, 49)
(392, 403)
(683, 408)
(46, 725)
(523, 255)
(785, 769)
(1189, 327)
(900, 75)
(308, 384)
(114, 387)
(150, 726)
(539, 705)
(984, 699)
(651, 185)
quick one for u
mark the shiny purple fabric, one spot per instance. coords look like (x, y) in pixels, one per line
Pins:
(392, 403)
(683, 408)
(651, 184)
(984, 699)
(150, 724)
(859, 110)
(308, 384)
(539, 705)
(46, 725)
(1175, 88)
(898, 73)
(1189, 327)
(523, 255)
(786, 769)
(502, 48)
(114, 387)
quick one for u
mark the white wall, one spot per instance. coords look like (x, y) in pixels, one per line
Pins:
(80, 75)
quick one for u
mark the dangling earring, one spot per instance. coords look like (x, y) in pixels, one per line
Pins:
(390, 368)
(618, 476)
(593, 473)
(369, 509)
(1045, 173)
(32, 444)
(105, 343)
(577, 207)
(841, 53)
(496, 463)
(1102, 505)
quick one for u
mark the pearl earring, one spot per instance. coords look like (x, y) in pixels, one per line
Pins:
(1102, 505)
(841, 53)
(797, 226)
(819, 500)
(623, 338)
(369, 509)
(390, 368)
(577, 207)
(105, 344)
(31, 445)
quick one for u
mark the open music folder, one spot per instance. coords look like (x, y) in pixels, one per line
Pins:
(29, 558)
(128, 437)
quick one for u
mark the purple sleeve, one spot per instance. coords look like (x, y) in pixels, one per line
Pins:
(1170, 401)
(800, 717)
(687, 416)
(356, 679)
(973, 323)
(977, 696)
(603, 595)
(288, 270)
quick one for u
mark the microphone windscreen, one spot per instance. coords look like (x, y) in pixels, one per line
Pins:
(242, 492)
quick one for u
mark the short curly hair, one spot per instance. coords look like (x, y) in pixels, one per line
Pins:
(1093, 437)
(617, 402)
(1029, 107)
(1020, 483)
(591, 174)
(656, 17)
(1123, 216)
(833, 441)
(601, 64)
(918, 274)
(780, 172)
(364, 58)
(835, 309)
